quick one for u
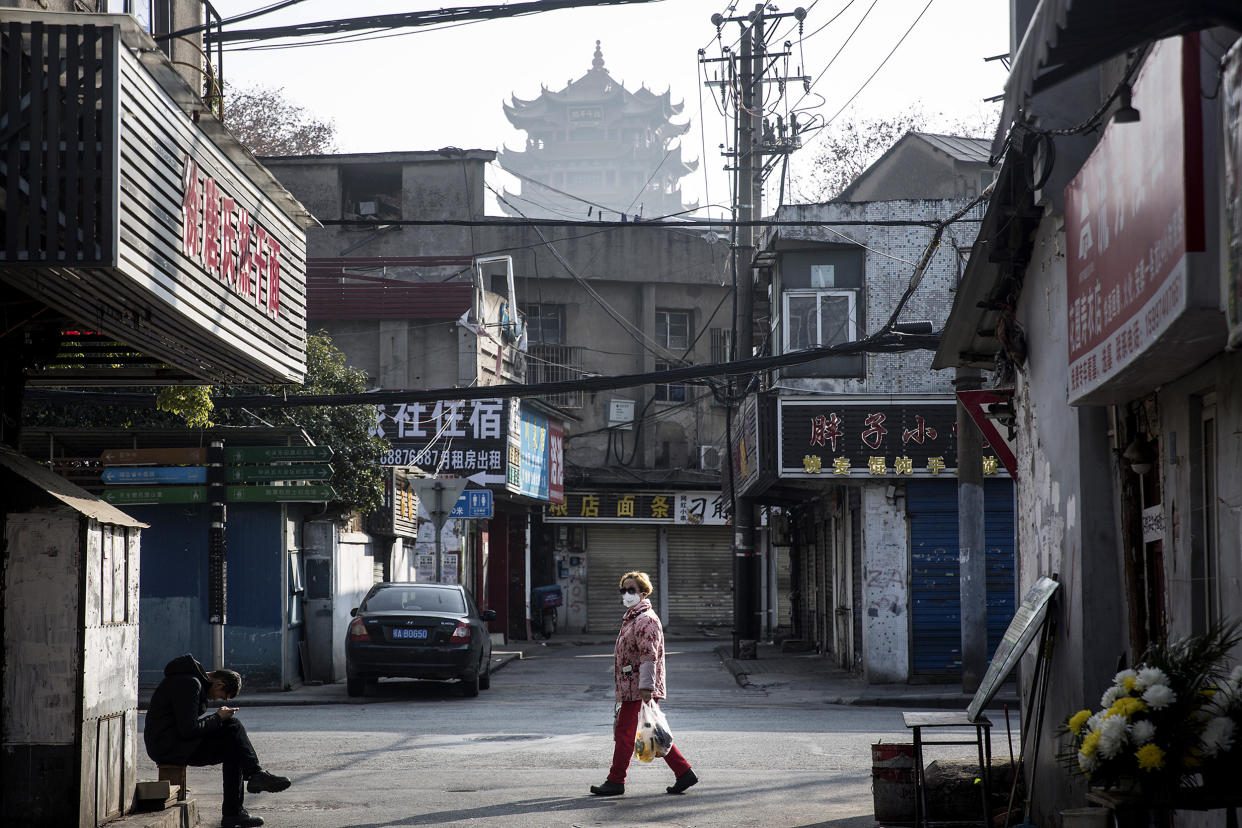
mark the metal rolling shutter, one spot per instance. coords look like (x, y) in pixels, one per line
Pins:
(612, 550)
(700, 575)
(784, 585)
(935, 591)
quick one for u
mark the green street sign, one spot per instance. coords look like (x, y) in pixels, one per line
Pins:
(280, 494)
(266, 474)
(141, 495)
(274, 454)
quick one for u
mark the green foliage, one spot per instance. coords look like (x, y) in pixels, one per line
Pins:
(346, 428)
(190, 402)
(851, 145)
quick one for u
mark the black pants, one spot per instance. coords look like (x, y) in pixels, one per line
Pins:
(229, 747)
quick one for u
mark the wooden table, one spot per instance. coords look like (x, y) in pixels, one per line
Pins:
(981, 738)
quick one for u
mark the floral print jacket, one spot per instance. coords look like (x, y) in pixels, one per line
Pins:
(641, 639)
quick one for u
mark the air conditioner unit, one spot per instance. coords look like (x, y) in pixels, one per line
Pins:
(710, 458)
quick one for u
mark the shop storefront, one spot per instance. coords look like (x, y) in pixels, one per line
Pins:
(680, 538)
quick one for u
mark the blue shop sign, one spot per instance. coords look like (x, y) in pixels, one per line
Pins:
(533, 473)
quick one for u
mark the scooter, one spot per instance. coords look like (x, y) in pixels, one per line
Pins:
(543, 603)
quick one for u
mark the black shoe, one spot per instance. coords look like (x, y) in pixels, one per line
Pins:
(264, 781)
(684, 781)
(609, 788)
(241, 819)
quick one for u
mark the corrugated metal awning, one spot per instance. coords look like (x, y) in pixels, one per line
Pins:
(61, 489)
(1066, 37)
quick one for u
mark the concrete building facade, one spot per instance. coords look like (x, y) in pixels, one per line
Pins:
(582, 302)
(1110, 297)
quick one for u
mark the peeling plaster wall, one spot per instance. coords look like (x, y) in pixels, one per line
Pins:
(1066, 513)
(886, 592)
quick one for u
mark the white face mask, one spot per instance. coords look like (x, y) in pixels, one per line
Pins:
(631, 600)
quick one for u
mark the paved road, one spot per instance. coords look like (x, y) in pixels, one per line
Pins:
(525, 752)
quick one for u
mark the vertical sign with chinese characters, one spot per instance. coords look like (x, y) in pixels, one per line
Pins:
(533, 471)
(825, 437)
(457, 437)
(1131, 214)
(556, 460)
(1231, 273)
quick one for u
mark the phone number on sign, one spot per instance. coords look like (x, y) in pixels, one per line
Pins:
(463, 459)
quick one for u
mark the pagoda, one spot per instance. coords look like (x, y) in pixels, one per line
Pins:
(595, 147)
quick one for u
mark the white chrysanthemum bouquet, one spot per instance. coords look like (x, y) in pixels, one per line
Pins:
(1164, 723)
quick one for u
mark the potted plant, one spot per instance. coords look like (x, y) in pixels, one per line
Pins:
(1165, 725)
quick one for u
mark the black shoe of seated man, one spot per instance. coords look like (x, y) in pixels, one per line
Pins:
(266, 782)
(609, 788)
(241, 819)
(684, 781)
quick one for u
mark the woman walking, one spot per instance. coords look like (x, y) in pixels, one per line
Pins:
(638, 672)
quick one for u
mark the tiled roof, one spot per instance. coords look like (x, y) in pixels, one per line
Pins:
(963, 149)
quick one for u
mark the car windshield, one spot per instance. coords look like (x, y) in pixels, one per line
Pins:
(416, 598)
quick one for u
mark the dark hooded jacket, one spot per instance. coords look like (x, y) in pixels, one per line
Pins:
(173, 728)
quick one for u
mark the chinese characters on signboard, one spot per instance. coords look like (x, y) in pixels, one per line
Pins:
(533, 471)
(461, 437)
(1131, 214)
(825, 437)
(687, 508)
(556, 461)
(219, 235)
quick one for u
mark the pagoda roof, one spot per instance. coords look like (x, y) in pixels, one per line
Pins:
(526, 160)
(597, 86)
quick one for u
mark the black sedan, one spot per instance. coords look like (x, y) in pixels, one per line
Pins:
(418, 630)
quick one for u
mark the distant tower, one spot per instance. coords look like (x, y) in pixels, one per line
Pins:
(598, 141)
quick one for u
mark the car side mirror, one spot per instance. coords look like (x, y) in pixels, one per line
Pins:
(353, 612)
(488, 615)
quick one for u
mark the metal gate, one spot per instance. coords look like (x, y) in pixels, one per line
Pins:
(935, 590)
(612, 550)
(700, 575)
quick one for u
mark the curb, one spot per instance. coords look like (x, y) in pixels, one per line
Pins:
(312, 695)
(907, 698)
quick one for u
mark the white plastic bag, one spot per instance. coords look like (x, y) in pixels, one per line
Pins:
(654, 738)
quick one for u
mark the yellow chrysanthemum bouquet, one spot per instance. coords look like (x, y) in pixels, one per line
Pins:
(1160, 726)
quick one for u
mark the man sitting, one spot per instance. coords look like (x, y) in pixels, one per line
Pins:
(179, 731)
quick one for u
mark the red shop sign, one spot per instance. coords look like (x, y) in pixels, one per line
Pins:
(1131, 215)
(222, 238)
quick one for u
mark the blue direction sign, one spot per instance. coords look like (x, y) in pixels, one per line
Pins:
(475, 503)
(156, 474)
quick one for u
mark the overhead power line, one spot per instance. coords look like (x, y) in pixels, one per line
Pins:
(704, 224)
(428, 17)
(884, 341)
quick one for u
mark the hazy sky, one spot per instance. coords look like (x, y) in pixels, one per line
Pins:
(425, 89)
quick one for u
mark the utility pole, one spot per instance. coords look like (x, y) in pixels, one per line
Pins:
(972, 547)
(745, 76)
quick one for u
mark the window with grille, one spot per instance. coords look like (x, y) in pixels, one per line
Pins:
(545, 324)
(673, 329)
(721, 338)
(672, 392)
(555, 363)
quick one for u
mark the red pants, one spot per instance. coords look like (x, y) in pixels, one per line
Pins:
(624, 732)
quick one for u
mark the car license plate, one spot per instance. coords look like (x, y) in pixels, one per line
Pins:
(401, 632)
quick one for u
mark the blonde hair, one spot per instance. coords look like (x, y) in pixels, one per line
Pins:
(641, 578)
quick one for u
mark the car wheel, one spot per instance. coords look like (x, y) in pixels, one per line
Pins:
(355, 686)
(470, 684)
(485, 679)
